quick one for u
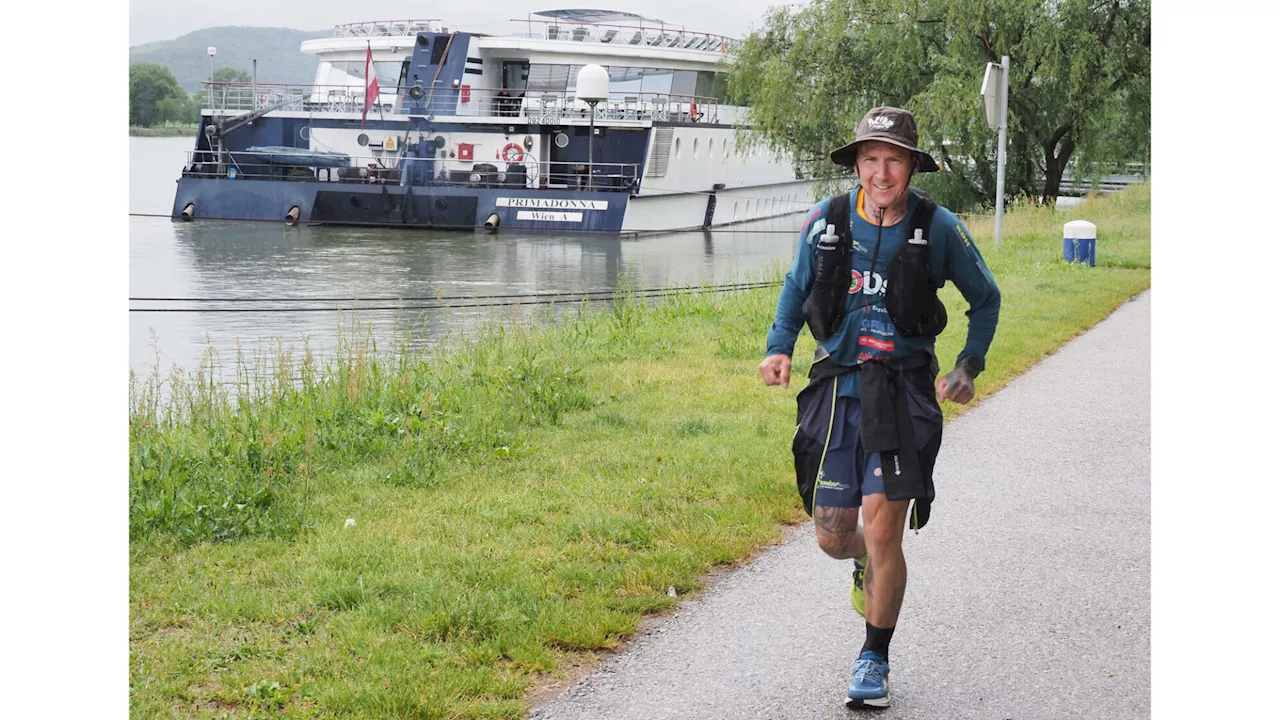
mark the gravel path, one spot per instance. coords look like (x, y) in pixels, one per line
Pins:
(1029, 590)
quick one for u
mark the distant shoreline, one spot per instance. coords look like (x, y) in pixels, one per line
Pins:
(163, 131)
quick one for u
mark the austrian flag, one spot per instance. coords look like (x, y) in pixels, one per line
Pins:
(371, 84)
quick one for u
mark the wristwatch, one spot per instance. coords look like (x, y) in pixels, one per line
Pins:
(972, 364)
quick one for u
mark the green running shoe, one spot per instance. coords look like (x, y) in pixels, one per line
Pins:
(856, 593)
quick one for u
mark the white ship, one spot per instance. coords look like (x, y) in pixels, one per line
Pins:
(475, 130)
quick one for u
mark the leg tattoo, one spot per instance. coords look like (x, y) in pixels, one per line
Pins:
(838, 531)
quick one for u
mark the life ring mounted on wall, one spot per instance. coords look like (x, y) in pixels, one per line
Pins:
(513, 153)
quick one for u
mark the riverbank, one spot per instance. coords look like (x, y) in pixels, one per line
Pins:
(164, 131)
(519, 504)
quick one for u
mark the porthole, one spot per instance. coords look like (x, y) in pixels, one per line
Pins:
(677, 148)
(362, 140)
(735, 209)
(695, 148)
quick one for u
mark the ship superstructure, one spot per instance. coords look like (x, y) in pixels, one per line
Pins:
(469, 130)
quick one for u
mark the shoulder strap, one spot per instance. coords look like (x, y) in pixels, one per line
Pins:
(922, 218)
(838, 216)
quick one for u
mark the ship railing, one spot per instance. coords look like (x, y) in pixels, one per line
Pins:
(658, 36)
(387, 28)
(395, 168)
(239, 97)
(549, 107)
(540, 107)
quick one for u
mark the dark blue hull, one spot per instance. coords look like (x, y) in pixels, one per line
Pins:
(388, 205)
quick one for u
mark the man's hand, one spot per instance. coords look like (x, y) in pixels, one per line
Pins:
(955, 385)
(776, 370)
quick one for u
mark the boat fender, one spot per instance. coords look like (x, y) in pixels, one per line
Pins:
(512, 152)
(491, 222)
(189, 211)
(291, 217)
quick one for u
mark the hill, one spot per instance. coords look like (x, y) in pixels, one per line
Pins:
(279, 59)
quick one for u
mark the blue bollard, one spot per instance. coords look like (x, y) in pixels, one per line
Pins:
(1080, 242)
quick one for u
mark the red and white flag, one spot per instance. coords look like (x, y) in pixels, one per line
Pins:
(371, 84)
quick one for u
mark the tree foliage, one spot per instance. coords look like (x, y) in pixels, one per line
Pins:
(154, 95)
(230, 74)
(1079, 85)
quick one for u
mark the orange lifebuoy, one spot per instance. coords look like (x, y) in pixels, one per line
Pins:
(513, 157)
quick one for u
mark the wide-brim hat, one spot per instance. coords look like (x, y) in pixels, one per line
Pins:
(886, 124)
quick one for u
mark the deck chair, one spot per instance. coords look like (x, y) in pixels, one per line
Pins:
(579, 34)
(553, 32)
(608, 35)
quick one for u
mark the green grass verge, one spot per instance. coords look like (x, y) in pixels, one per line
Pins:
(164, 130)
(521, 502)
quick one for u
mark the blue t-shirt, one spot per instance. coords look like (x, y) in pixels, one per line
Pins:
(868, 333)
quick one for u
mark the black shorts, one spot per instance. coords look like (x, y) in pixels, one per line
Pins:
(832, 469)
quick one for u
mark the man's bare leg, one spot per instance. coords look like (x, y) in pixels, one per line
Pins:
(838, 533)
(885, 580)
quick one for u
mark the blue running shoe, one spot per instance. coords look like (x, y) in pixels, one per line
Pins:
(870, 684)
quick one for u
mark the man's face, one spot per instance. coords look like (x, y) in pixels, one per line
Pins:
(885, 171)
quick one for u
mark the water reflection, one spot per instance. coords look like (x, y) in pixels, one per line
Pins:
(259, 262)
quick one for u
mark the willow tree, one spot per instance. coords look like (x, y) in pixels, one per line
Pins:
(1079, 86)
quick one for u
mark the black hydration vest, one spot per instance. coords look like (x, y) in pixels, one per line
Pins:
(911, 297)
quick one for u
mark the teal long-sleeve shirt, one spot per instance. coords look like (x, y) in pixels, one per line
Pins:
(868, 333)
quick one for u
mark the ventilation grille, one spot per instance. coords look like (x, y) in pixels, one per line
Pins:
(661, 154)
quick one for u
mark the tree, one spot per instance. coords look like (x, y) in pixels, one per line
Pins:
(230, 74)
(238, 96)
(150, 85)
(1079, 85)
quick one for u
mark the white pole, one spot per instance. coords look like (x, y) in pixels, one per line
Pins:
(591, 145)
(1004, 132)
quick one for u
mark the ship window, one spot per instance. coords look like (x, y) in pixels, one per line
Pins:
(386, 71)
(544, 77)
(625, 80)
(677, 148)
(712, 85)
(403, 80)
(684, 82)
(724, 149)
(695, 148)
(657, 81)
(437, 52)
(572, 81)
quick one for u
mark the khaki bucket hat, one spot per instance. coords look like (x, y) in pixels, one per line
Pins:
(886, 124)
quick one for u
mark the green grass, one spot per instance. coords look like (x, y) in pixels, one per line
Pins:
(521, 502)
(188, 130)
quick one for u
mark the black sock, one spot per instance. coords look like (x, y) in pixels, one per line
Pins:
(878, 640)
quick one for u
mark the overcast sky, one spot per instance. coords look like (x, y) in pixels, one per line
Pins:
(151, 20)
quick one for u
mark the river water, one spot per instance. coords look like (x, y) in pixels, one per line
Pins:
(259, 264)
